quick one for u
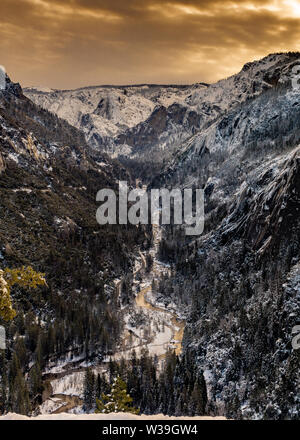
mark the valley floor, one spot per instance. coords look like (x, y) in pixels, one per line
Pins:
(161, 329)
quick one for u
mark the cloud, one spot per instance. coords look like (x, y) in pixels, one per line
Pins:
(70, 43)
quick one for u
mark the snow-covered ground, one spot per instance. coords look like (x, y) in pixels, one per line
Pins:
(61, 365)
(49, 406)
(72, 384)
(113, 416)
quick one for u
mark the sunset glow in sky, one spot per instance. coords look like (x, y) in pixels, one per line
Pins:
(73, 43)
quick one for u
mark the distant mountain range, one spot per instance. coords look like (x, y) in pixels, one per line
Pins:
(155, 121)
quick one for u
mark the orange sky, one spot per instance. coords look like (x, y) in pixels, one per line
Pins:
(73, 43)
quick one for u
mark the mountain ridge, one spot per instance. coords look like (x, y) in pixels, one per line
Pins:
(128, 113)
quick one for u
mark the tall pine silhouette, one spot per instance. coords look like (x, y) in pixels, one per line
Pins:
(117, 401)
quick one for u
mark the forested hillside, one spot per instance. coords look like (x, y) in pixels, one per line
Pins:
(48, 185)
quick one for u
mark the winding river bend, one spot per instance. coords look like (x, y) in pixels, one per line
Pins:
(177, 325)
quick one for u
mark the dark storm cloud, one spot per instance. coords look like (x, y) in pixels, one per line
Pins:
(77, 42)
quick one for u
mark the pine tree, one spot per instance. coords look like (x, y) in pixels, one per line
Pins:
(200, 395)
(35, 380)
(19, 395)
(3, 383)
(6, 310)
(117, 401)
(89, 389)
(98, 386)
(25, 277)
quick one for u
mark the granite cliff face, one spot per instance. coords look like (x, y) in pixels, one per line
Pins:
(240, 279)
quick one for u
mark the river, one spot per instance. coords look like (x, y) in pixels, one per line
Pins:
(177, 325)
(167, 328)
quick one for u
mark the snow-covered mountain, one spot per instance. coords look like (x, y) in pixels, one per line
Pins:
(154, 121)
(104, 113)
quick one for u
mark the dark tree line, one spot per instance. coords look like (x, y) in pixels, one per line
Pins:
(178, 388)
